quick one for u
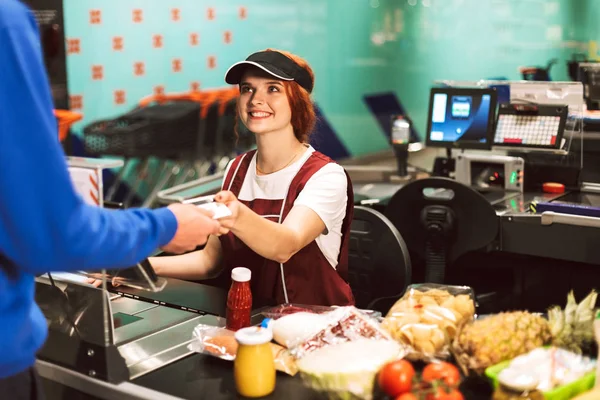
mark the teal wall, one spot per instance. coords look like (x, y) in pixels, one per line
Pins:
(357, 48)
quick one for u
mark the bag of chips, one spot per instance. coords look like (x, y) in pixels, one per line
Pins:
(427, 317)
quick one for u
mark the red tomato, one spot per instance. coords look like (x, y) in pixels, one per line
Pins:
(407, 396)
(396, 377)
(442, 371)
(442, 394)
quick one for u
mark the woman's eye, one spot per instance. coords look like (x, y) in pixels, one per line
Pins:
(245, 89)
(273, 89)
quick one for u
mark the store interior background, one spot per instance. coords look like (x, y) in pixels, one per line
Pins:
(369, 56)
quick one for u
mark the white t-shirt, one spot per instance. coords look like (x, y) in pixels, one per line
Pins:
(325, 193)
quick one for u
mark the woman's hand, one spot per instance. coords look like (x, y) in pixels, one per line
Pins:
(229, 199)
(98, 282)
(94, 282)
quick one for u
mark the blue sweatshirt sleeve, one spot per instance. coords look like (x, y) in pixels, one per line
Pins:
(44, 224)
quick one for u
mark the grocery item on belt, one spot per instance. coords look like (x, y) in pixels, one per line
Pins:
(223, 346)
(220, 342)
(545, 369)
(292, 329)
(427, 317)
(348, 370)
(500, 337)
(282, 310)
(344, 324)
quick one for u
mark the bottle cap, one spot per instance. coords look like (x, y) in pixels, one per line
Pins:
(253, 335)
(241, 274)
(267, 322)
(552, 187)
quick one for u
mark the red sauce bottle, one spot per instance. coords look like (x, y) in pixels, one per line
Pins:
(239, 300)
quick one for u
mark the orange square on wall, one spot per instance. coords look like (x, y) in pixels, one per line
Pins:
(117, 43)
(175, 14)
(76, 102)
(95, 17)
(227, 37)
(73, 46)
(159, 90)
(139, 68)
(210, 14)
(212, 62)
(177, 65)
(137, 15)
(97, 72)
(157, 41)
(243, 13)
(194, 39)
(119, 97)
(195, 86)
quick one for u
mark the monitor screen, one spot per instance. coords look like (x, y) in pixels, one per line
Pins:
(530, 125)
(461, 118)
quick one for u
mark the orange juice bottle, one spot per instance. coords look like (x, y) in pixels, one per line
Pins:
(254, 368)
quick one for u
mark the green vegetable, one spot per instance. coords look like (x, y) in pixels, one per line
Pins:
(572, 328)
(348, 370)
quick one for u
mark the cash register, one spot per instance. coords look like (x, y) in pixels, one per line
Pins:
(464, 119)
(504, 148)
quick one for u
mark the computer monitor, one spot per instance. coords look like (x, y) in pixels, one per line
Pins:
(461, 118)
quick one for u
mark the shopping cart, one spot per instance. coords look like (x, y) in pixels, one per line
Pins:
(163, 130)
(209, 153)
(190, 134)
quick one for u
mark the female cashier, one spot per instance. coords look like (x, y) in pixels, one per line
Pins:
(291, 205)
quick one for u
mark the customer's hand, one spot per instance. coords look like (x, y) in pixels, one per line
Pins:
(194, 225)
(229, 199)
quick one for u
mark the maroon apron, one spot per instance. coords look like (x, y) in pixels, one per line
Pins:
(307, 277)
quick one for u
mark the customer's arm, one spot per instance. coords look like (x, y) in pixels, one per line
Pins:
(201, 264)
(44, 224)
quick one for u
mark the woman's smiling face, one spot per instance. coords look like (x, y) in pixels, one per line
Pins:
(263, 105)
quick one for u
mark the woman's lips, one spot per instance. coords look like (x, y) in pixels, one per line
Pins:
(259, 114)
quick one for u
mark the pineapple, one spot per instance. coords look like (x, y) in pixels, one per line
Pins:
(496, 338)
(504, 336)
(572, 328)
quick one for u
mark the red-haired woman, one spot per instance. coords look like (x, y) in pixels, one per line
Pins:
(291, 205)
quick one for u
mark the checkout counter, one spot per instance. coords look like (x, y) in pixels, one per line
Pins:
(128, 339)
(131, 341)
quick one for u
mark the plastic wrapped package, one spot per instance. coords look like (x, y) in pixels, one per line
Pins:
(427, 317)
(215, 341)
(343, 324)
(220, 342)
(293, 329)
(282, 310)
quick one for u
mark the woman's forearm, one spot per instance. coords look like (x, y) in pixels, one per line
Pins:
(201, 264)
(271, 240)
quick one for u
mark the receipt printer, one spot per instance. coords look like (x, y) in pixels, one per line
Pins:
(490, 172)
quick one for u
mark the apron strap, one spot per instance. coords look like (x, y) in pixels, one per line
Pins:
(237, 173)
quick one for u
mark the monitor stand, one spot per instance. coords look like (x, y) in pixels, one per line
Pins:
(401, 153)
(444, 166)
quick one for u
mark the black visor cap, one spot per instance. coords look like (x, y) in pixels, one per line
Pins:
(274, 63)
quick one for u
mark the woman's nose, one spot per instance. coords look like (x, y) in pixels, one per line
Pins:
(257, 98)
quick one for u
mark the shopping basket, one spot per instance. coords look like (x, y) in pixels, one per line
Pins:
(165, 129)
